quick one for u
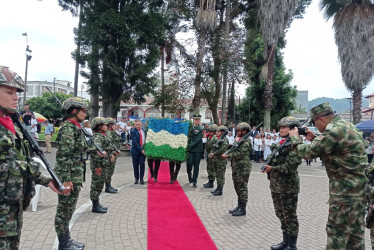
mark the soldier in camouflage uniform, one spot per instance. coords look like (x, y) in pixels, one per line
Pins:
(212, 129)
(342, 149)
(370, 202)
(70, 167)
(99, 165)
(241, 169)
(285, 185)
(116, 140)
(218, 163)
(18, 172)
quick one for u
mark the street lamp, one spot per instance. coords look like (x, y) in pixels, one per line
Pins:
(28, 58)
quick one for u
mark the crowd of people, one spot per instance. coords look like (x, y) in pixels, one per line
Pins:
(341, 147)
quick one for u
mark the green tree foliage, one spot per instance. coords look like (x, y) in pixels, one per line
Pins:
(47, 105)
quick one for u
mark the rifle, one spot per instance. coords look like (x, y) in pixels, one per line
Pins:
(84, 131)
(36, 149)
(218, 143)
(245, 138)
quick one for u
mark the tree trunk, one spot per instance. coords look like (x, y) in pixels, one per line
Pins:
(357, 96)
(226, 61)
(199, 65)
(231, 106)
(94, 106)
(107, 108)
(162, 80)
(268, 93)
(78, 51)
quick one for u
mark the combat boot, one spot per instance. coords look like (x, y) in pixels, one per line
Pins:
(75, 243)
(64, 243)
(110, 189)
(292, 240)
(241, 211)
(281, 245)
(96, 208)
(209, 184)
(234, 209)
(218, 191)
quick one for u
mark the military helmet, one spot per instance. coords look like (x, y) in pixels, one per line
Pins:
(212, 128)
(97, 121)
(11, 79)
(288, 121)
(243, 125)
(74, 102)
(110, 120)
(222, 128)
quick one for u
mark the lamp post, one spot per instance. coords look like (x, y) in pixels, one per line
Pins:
(28, 58)
(54, 85)
(350, 108)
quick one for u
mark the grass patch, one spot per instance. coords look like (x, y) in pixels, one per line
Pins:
(42, 137)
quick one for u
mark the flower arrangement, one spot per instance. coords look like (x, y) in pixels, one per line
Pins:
(167, 139)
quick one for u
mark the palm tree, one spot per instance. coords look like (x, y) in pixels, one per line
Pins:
(354, 37)
(274, 17)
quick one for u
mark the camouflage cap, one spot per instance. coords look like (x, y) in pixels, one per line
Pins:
(243, 125)
(74, 102)
(97, 121)
(288, 121)
(222, 128)
(323, 107)
(212, 128)
(110, 120)
(11, 79)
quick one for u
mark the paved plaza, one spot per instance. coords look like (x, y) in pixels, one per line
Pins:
(125, 224)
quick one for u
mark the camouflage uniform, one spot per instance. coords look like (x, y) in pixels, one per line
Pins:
(241, 169)
(208, 147)
(342, 149)
(370, 202)
(116, 139)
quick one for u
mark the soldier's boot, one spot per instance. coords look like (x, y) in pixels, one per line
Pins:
(110, 189)
(209, 184)
(234, 209)
(281, 245)
(96, 208)
(242, 209)
(64, 243)
(218, 191)
(104, 208)
(78, 244)
(292, 240)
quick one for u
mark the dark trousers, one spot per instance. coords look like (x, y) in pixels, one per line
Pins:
(257, 156)
(154, 171)
(193, 160)
(174, 174)
(138, 164)
(370, 158)
(123, 137)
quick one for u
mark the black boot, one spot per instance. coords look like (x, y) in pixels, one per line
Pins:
(96, 208)
(209, 184)
(104, 208)
(292, 240)
(281, 245)
(241, 211)
(218, 191)
(81, 245)
(189, 177)
(64, 243)
(177, 168)
(110, 189)
(234, 209)
(171, 180)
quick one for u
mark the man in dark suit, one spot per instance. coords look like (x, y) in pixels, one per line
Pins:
(233, 129)
(137, 151)
(195, 150)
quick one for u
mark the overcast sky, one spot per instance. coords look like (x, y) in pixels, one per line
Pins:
(310, 53)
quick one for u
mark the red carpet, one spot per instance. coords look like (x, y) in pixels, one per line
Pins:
(172, 220)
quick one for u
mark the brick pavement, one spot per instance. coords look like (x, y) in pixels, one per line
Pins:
(125, 224)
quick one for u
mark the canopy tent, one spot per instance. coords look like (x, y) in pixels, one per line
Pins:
(39, 117)
(366, 126)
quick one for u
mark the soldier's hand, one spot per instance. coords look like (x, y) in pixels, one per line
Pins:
(68, 187)
(98, 171)
(309, 135)
(53, 186)
(225, 156)
(102, 155)
(294, 132)
(267, 169)
(112, 158)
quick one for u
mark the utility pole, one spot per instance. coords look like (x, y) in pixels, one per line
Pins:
(28, 58)
(226, 62)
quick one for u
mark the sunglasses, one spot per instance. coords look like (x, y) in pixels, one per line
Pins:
(314, 120)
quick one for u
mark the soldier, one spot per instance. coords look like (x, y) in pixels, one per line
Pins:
(241, 169)
(19, 172)
(285, 185)
(212, 129)
(70, 167)
(195, 150)
(219, 164)
(116, 139)
(100, 165)
(370, 202)
(342, 149)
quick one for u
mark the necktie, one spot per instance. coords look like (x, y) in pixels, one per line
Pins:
(141, 138)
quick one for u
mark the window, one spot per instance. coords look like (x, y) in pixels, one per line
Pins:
(208, 114)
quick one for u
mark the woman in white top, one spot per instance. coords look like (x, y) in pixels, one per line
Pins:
(257, 144)
(268, 143)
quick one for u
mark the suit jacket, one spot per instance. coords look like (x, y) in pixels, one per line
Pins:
(136, 149)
